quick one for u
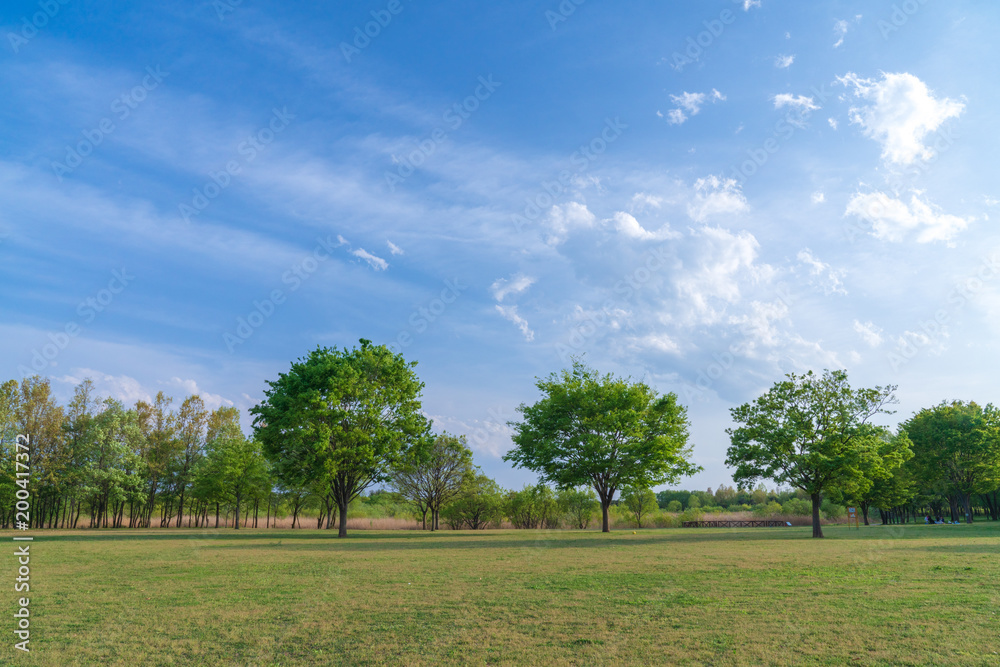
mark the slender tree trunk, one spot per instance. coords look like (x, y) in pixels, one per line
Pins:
(423, 520)
(817, 528)
(605, 525)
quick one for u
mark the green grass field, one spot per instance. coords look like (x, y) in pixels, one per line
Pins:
(911, 595)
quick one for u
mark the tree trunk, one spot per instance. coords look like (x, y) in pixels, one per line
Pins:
(817, 528)
(864, 512)
(423, 519)
(605, 525)
(966, 500)
(342, 529)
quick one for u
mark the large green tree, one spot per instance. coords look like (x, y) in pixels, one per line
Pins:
(341, 418)
(814, 433)
(602, 431)
(957, 447)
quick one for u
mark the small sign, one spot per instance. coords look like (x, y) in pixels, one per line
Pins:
(852, 517)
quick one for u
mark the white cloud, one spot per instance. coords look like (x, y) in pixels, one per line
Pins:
(758, 324)
(784, 62)
(840, 29)
(833, 122)
(393, 248)
(892, 219)
(800, 102)
(516, 284)
(342, 241)
(714, 195)
(658, 341)
(641, 200)
(627, 225)
(818, 197)
(869, 333)
(564, 219)
(747, 4)
(190, 388)
(823, 276)
(510, 313)
(692, 103)
(376, 263)
(675, 117)
(726, 263)
(901, 113)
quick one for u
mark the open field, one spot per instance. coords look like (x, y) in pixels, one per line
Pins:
(909, 595)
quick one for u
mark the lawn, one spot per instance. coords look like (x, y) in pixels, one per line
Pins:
(912, 595)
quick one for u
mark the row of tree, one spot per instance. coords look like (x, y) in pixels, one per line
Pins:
(343, 421)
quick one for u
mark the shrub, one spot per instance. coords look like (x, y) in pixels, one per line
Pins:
(674, 506)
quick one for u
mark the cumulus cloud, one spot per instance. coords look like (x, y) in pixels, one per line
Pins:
(901, 112)
(510, 313)
(747, 4)
(516, 284)
(822, 275)
(758, 324)
(726, 262)
(628, 226)
(393, 248)
(376, 263)
(714, 195)
(563, 219)
(833, 122)
(784, 62)
(691, 103)
(892, 219)
(818, 197)
(869, 333)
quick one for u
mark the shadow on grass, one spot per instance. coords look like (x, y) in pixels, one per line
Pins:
(395, 540)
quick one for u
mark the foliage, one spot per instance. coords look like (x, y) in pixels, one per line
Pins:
(601, 431)
(341, 418)
(639, 503)
(432, 472)
(479, 505)
(813, 432)
(578, 505)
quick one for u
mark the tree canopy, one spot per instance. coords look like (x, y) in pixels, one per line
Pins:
(814, 433)
(341, 418)
(602, 431)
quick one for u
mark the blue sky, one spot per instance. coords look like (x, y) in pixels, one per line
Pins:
(701, 195)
